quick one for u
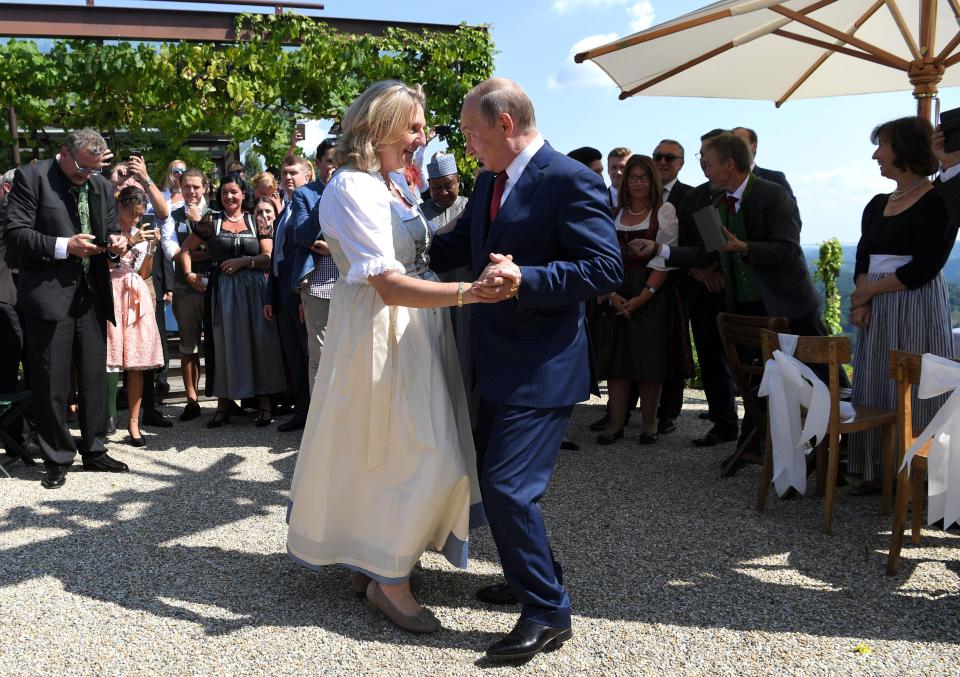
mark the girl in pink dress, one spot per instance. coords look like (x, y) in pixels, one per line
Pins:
(133, 344)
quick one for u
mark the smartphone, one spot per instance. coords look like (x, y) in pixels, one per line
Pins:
(148, 222)
(136, 152)
(302, 128)
(97, 242)
(443, 131)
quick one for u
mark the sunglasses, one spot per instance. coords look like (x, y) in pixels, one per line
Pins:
(86, 170)
(669, 157)
(178, 170)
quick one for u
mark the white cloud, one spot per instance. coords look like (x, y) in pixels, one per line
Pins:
(641, 15)
(640, 12)
(586, 74)
(570, 6)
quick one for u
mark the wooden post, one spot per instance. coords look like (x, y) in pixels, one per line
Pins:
(15, 145)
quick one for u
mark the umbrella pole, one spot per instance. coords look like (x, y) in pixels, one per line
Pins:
(925, 77)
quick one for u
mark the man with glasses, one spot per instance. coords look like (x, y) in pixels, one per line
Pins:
(668, 158)
(61, 220)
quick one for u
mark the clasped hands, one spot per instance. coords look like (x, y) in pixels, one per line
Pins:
(860, 306)
(499, 281)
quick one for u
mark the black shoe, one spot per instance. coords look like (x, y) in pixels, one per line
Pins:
(568, 445)
(648, 438)
(264, 418)
(600, 424)
(498, 593)
(111, 425)
(666, 426)
(715, 437)
(55, 478)
(220, 418)
(295, 423)
(155, 419)
(191, 411)
(104, 463)
(606, 438)
(161, 387)
(526, 640)
(704, 415)
(135, 442)
(234, 408)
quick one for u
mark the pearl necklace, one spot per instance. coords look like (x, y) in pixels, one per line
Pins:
(233, 219)
(897, 194)
(642, 212)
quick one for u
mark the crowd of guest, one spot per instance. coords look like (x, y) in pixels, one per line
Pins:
(250, 282)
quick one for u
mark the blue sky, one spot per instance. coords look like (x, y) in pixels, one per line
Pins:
(822, 145)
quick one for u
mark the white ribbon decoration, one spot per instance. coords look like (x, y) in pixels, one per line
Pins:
(790, 386)
(939, 375)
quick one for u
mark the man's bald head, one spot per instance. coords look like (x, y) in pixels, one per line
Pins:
(500, 95)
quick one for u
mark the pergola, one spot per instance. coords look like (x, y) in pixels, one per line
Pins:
(147, 22)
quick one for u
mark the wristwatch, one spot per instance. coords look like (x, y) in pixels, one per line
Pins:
(652, 290)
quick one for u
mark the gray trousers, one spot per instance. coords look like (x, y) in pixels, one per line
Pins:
(315, 313)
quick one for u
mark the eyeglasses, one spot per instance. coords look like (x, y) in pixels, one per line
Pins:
(668, 157)
(638, 178)
(86, 170)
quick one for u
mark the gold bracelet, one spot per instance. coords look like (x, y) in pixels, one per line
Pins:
(460, 296)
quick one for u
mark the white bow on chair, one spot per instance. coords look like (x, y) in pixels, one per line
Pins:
(939, 375)
(789, 386)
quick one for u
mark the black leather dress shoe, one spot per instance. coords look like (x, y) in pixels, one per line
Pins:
(715, 437)
(295, 423)
(498, 593)
(55, 478)
(104, 463)
(569, 445)
(155, 419)
(526, 640)
(666, 426)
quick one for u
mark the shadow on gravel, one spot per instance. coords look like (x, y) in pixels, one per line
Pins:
(644, 534)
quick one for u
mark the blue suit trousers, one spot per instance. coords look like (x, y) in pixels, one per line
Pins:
(517, 448)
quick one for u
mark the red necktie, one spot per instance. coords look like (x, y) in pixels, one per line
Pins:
(498, 185)
(731, 203)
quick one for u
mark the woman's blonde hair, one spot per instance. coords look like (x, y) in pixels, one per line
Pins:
(264, 177)
(379, 116)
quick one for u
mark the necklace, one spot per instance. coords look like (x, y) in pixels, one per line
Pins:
(897, 194)
(642, 212)
(233, 219)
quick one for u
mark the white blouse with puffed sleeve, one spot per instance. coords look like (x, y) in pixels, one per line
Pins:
(355, 209)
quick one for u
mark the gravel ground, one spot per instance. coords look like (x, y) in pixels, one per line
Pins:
(179, 567)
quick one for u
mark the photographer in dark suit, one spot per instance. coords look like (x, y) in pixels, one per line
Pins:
(59, 217)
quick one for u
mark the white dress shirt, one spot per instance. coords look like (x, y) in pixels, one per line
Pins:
(667, 187)
(515, 168)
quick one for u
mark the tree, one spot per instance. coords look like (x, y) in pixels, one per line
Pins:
(156, 96)
(252, 164)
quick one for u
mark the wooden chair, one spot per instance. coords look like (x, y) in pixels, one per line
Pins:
(832, 351)
(740, 336)
(905, 370)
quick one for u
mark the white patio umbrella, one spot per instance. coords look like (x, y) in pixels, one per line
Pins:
(791, 49)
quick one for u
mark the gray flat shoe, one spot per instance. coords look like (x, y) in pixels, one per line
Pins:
(424, 621)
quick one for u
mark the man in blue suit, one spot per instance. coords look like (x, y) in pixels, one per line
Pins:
(316, 271)
(284, 302)
(547, 213)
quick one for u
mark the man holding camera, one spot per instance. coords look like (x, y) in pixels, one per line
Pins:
(61, 220)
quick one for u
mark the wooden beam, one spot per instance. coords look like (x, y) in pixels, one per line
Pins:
(833, 47)
(904, 29)
(651, 34)
(112, 23)
(826, 54)
(928, 26)
(949, 47)
(679, 69)
(892, 59)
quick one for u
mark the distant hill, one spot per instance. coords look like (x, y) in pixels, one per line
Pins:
(951, 271)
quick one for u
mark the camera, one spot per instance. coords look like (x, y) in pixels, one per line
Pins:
(950, 124)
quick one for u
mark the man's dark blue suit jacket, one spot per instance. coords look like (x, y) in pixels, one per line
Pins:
(533, 350)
